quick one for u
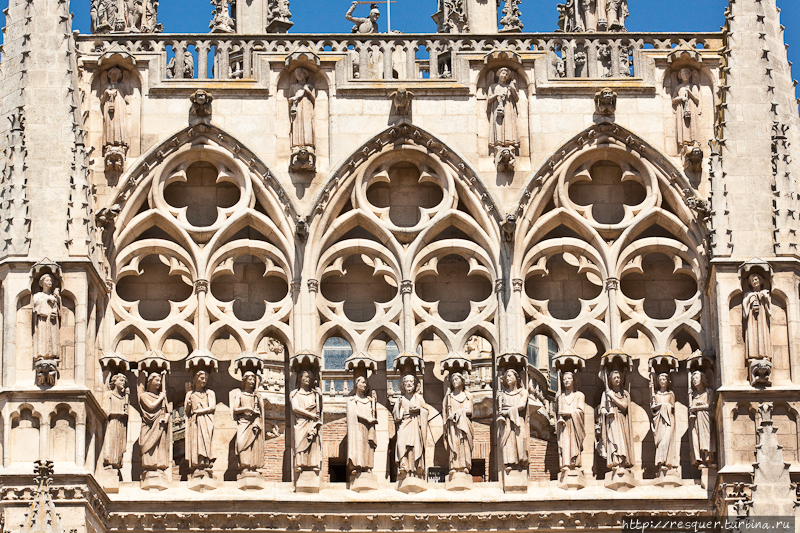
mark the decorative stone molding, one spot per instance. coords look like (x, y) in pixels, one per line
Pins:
(517, 284)
(406, 286)
(201, 285)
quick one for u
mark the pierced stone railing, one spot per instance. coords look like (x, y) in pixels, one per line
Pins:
(399, 56)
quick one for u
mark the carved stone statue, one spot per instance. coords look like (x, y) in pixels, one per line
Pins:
(116, 409)
(201, 103)
(361, 428)
(616, 13)
(182, 69)
(662, 406)
(46, 323)
(686, 99)
(364, 25)
(570, 423)
(222, 22)
(700, 422)
(154, 437)
(306, 403)
(605, 102)
(512, 422)
(616, 425)
(411, 419)
(502, 102)
(756, 313)
(247, 409)
(114, 103)
(134, 16)
(458, 432)
(301, 111)
(199, 408)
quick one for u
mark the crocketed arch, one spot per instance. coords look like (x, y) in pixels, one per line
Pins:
(606, 243)
(246, 219)
(444, 215)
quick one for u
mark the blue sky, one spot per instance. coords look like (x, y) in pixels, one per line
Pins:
(413, 16)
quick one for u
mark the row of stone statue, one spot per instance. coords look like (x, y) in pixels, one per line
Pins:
(411, 416)
(502, 111)
(140, 16)
(615, 440)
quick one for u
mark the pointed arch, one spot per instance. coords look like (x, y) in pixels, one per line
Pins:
(137, 176)
(412, 136)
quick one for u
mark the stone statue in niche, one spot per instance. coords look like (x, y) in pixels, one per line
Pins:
(199, 408)
(247, 410)
(155, 435)
(570, 424)
(116, 408)
(616, 435)
(700, 423)
(362, 421)
(502, 108)
(46, 324)
(411, 419)
(616, 13)
(459, 435)
(301, 112)
(222, 22)
(364, 25)
(306, 402)
(662, 407)
(114, 103)
(512, 422)
(756, 314)
(686, 99)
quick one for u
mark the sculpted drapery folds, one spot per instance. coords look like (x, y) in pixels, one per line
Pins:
(700, 428)
(662, 406)
(411, 418)
(686, 99)
(756, 314)
(616, 425)
(503, 117)
(458, 431)
(570, 419)
(302, 100)
(307, 409)
(247, 409)
(199, 409)
(154, 436)
(616, 13)
(117, 426)
(115, 111)
(512, 422)
(361, 425)
(47, 319)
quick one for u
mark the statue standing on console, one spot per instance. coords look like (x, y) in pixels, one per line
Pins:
(200, 405)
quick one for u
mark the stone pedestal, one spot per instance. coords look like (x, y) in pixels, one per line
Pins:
(154, 480)
(670, 477)
(201, 481)
(110, 480)
(458, 481)
(410, 484)
(571, 479)
(364, 481)
(307, 481)
(515, 481)
(250, 481)
(620, 479)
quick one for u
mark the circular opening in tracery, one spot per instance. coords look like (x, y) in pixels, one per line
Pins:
(404, 195)
(201, 195)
